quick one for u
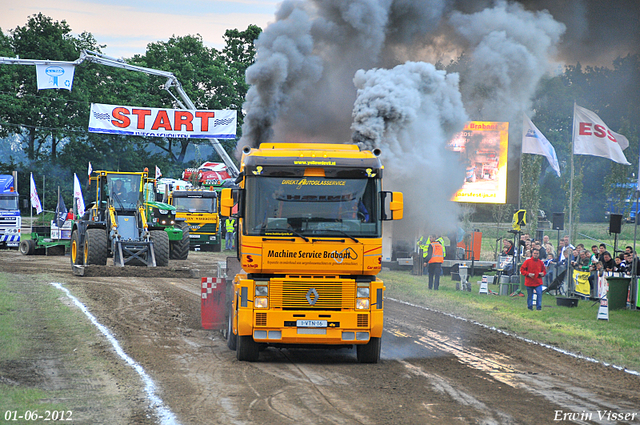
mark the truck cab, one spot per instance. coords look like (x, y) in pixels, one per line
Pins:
(10, 219)
(310, 221)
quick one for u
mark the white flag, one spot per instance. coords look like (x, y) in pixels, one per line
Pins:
(622, 141)
(89, 170)
(35, 201)
(158, 173)
(55, 76)
(77, 195)
(593, 137)
(534, 142)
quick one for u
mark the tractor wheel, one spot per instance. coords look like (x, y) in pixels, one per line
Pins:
(160, 247)
(180, 249)
(369, 352)
(248, 350)
(95, 247)
(27, 246)
(76, 249)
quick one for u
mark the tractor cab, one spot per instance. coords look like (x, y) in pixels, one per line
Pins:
(123, 191)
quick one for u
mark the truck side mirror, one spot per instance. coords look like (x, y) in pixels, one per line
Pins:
(226, 202)
(395, 205)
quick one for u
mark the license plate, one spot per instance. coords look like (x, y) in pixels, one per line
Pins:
(311, 323)
(194, 236)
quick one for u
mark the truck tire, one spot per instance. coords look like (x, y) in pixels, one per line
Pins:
(232, 339)
(369, 352)
(27, 246)
(76, 249)
(160, 247)
(248, 350)
(180, 249)
(95, 247)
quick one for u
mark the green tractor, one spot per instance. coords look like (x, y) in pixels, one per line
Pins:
(117, 225)
(163, 215)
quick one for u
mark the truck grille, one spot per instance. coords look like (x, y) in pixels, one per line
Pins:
(331, 295)
(363, 321)
(8, 222)
(261, 319)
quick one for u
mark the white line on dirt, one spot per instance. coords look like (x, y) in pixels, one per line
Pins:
(559, 350)
(163, 413)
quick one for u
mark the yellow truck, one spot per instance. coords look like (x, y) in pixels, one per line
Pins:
(199, 208)
(310, 219)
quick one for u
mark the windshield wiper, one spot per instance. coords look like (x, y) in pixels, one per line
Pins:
(342, 232)
(306, 239)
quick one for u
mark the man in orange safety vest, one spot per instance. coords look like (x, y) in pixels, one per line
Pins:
(434, 259)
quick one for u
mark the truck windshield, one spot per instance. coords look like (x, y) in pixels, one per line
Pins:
(195, 204)
(312, 206)
(8, 202)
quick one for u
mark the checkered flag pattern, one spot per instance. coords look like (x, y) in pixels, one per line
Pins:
(208, 285)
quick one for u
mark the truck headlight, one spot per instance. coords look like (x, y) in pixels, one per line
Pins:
(163, 212)
(262, 291)
(362, 293)
(261, 302)
(362, 303)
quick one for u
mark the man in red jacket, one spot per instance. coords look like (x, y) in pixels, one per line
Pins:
(533, 269)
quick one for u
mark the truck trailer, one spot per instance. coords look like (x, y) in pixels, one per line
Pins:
(310, 221)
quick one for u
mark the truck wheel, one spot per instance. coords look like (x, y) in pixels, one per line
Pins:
(160, 247)
(232, 339)
(95, 247)
(27, 246)
(369, 352)
(248, 350)
(76, 249)
(180, 249)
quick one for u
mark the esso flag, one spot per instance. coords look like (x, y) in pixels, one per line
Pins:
(157, 122)
(591, 136)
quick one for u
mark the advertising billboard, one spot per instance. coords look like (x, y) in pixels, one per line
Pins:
(483, 147)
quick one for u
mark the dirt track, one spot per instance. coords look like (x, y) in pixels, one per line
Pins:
(435, 369)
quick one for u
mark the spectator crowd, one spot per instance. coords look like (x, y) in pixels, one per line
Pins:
(596, 261)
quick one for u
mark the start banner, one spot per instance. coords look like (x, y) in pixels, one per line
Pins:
(157, 122)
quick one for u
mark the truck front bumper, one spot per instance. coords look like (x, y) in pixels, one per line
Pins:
(304, 327)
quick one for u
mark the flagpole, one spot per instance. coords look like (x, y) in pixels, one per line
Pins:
(43, 193)
(520, 178)
(59, 231)
(31, 201)
(571, 181)
(634, 272)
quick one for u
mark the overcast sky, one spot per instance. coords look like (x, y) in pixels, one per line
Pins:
(127, 26)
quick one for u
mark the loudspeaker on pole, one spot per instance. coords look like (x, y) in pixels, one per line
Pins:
(615, 223)
(558, 221)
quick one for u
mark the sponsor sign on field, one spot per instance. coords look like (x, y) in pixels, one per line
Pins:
(158, 122)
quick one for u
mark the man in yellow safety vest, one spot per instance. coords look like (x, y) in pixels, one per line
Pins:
(229, 225)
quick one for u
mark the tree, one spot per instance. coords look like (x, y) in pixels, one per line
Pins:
(41, 119)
